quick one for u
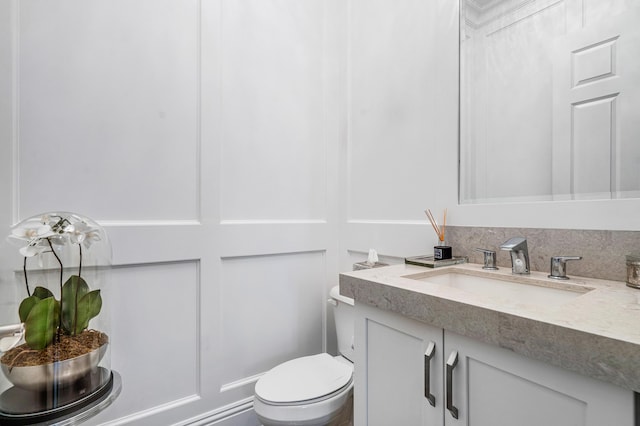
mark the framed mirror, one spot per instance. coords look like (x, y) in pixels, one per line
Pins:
(549, 100)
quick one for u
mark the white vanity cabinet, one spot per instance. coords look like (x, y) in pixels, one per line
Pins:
(490, 386)
(390, 368)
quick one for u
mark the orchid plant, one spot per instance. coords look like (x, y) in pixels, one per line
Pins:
(45, 318)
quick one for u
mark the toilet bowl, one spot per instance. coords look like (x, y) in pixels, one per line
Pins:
(310, 391)
(314, 390)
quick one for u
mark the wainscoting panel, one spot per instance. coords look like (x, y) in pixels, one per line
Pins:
(155, 319)
(205, 136)
(391, 148)
(272, 153)
(399, 83)
(7, 114)
(271, 310)
(108, 100)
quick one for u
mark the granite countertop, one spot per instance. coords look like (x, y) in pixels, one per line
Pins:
(596, 333)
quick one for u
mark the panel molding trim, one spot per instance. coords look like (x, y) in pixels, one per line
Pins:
(272, 222)
(241, 383)
(255, 239)
(220, 414)
(386, 222)
(159, 222)
(133, 418)
(272, 254)
(15, 109)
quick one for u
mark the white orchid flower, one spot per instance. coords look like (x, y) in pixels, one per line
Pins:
(33, 232)
(81, 233)
(30, 251)
(36, 235)
(92, 237)
(46, 220)
(56, 223)
(59, 239)
(35, 247)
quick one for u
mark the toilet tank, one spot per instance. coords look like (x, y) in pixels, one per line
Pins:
(343, 312)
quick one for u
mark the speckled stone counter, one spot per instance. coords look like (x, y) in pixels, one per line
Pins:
(596, 333)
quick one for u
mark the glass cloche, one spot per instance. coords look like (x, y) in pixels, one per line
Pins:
(54, 318)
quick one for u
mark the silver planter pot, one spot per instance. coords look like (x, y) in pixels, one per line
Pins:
(57, 374)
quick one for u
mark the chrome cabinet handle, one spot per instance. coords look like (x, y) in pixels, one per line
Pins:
(428, 355)
(451, 364)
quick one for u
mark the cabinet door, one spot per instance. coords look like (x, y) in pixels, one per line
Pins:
(398, 370)
(496, 387)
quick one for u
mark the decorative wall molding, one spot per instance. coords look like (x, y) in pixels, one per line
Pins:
(141, 415)
(221, 414)
(232, 222)
(143, 223)
(273, 254)
(517, 18)
(246, 381)
(15, 113)
(387, 222)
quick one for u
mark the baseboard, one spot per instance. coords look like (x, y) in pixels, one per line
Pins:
(223, 415)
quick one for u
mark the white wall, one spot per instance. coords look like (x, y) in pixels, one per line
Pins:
(400, 154)
(204, 136)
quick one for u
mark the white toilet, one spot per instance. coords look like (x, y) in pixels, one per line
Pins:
(312, 390)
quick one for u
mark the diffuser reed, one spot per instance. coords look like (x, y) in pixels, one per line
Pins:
(440, 230)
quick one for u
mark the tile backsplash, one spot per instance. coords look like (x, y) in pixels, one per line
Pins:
(603, 252)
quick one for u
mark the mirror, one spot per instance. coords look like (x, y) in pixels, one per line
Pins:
(549, 100)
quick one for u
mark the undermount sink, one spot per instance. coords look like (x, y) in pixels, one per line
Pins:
(503, 288)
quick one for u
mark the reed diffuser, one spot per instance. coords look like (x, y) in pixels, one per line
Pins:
(442, 250)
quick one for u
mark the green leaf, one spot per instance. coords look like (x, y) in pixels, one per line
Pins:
(72, 291)
(42, 293)
(25, 307)
(41, 324)
(88, 307)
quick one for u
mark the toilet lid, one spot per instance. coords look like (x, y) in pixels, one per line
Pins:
(303, 379)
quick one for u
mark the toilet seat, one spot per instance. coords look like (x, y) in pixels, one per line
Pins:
(331, 391)
(304, 380)
(308, 402)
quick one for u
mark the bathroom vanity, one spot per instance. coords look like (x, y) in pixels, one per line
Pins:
(463, 346)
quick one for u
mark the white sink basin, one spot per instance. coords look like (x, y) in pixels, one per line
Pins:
(502, 288)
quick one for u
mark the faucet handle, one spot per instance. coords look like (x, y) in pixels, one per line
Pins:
(559, 266)
(489, 259)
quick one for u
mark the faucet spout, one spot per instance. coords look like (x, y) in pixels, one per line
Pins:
(517, 248)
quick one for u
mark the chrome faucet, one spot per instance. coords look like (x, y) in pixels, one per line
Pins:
(517, 248)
